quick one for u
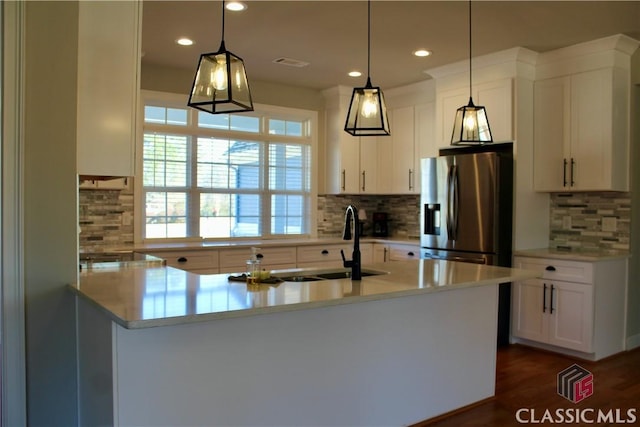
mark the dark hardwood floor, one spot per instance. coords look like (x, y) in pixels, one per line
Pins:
(526, 378)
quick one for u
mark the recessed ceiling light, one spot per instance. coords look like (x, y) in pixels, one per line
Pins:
(236, 6)
(355, 73)
(422, 52)
(183, 41)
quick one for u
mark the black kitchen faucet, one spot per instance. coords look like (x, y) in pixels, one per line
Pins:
(351, 218)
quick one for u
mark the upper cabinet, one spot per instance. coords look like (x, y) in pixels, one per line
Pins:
(109, 36)
(383, 164)
(581, 117)
(496, 96)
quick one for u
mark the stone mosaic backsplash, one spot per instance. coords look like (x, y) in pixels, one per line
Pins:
(577, 220)
(590, 220)
(105, 220)
(403, 213)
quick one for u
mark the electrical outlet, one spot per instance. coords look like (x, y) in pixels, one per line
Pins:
(609, 223)
(566, 222)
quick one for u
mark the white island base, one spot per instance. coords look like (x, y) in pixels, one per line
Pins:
(388, 362)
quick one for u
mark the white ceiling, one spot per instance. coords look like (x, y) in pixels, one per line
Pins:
(332, 35)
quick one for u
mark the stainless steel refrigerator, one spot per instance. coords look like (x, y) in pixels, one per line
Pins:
(466, 210)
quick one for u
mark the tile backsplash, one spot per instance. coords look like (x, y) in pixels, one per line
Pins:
(577, 220)
(105, 220)
(403, 212)
(590, 220)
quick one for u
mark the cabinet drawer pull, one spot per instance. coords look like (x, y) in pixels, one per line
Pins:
(259, 256)
(550, 268)
(410, 254)
(325, 252)
(544, 298)
(551, 301)
(182, 259)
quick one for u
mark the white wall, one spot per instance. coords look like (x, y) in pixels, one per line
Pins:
(50, 211)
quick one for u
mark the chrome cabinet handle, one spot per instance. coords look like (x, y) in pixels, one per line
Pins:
(410, 179)
(344, 179)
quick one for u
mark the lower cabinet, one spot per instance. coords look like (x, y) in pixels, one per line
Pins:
(195, 261)
(554, 312)
(383, 252)
(272, 258)
(573, 305)
(329, 255)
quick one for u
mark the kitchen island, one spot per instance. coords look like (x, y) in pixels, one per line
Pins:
(161, 346)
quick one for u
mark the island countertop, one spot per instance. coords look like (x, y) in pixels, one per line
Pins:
(150, 296)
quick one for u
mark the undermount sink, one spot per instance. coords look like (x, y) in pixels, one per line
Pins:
(311, 276)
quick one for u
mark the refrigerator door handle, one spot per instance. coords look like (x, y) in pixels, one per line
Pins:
(452, 203)
(449, 192)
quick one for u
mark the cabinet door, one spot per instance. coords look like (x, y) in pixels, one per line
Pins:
(448, 103)
(571, 321)
(425, 137)
(529, 310)
(497, 98)
(108, 86)
(551, 134)
(402, 160)
(369, 171)
(591, 133)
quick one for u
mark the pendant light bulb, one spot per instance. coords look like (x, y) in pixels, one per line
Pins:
(219, 74)
(369, 105)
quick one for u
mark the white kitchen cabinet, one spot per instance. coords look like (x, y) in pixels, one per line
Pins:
(106, 184)
(108, 86)
(425, 135)
(573, 306)
(383, 252)
(581, 140)
(496, 96)
(329, 255)
(397, 154)
(271, 258)
(194, 261)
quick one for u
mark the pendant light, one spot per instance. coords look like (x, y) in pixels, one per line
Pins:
(220, 84)
(367, 114)
(471, 126)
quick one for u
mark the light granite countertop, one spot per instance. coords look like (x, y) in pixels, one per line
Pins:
(227, 244)
(143, 297)
(575, 254)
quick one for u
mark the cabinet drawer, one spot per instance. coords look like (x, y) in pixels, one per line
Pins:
(403, 252)
(323, 253)
(553, 269)
(237, 258)
(190, 260)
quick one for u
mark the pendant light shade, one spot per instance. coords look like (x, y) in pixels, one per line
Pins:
(471, 126)
(220, 84)
(367, 115)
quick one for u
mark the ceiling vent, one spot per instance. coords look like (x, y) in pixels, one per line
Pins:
(291, 62)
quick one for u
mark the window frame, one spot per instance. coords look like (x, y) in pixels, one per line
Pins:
(171, 100)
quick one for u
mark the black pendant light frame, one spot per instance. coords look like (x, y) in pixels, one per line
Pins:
(357, 124)
(235, 96)
(480, 133)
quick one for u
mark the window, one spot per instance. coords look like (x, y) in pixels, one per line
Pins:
(226, 175)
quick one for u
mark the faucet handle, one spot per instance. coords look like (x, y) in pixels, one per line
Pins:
(345, 263)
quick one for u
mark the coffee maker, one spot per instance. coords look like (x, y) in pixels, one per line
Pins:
(380, 224)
